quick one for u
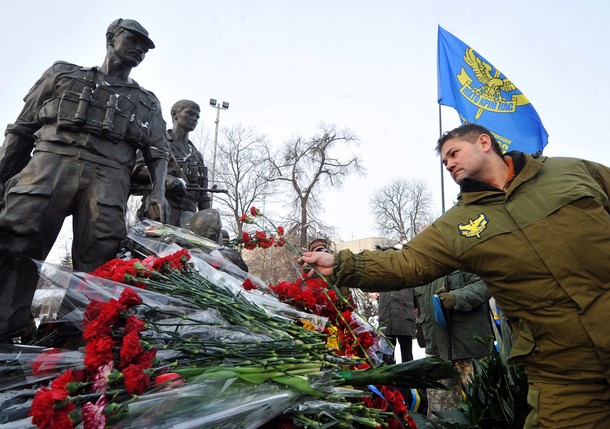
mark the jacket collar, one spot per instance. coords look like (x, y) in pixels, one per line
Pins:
(526, 166)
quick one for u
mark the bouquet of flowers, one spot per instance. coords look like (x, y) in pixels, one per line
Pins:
(180, 341)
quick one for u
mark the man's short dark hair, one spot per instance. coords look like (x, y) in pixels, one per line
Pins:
(470, 133)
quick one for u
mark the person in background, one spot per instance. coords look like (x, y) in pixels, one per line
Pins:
(316, 245)
(225, 236)
(84, 125)
(231, 253)
(321, 245)
(186, 176)
(397, 322)
(536, 230)
(465, 301)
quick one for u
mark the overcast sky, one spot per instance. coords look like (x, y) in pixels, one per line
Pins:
(370, 66)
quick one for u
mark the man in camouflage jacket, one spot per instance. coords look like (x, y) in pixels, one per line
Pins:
(537, 232)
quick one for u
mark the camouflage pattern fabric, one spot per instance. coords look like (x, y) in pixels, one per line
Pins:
(441, 400)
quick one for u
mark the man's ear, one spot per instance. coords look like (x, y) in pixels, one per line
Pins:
(174, 115)
(485, 141)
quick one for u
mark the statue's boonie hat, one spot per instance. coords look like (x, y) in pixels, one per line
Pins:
(134, 27)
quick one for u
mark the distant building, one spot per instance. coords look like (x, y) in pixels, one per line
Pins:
(357, 246)
(365, 302)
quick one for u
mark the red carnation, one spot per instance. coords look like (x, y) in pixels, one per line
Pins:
(368, 401)
(92, 311)
(395, 398)
(130, 349)
(183, 255)
(102, 324)
(42, 408)
(176, 260)
(248, 284)
(45, 416)
(134, 324)
(46, 362)
(129, 298)
(58, 386)
(366, 339)
(98, 352)
(169, 380)
(363, 366)
(115, 270)
(145, 359)
(136, 380)
(265, 244)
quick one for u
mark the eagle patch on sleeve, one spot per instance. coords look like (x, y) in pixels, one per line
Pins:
(474, 228)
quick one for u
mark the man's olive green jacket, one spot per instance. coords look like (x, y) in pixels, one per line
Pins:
(543, 249)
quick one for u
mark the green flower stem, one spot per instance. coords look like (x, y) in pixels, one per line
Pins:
(342, 298)
(289, 375)
(235, 308)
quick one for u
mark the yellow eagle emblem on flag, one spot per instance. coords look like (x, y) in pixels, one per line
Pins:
(492, 83)
(474, 228)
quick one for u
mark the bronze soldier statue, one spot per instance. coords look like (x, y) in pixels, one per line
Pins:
(84, 125)
(187, 176)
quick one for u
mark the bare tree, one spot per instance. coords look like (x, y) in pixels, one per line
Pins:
(402, 208)
(203, 139)
(242, 168)
(66, 259)
(305, 165)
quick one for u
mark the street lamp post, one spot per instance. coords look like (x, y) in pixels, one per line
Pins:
(218, 106)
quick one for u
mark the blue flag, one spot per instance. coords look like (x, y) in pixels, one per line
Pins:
(481, 94)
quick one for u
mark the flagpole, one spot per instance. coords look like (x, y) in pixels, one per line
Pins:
(440, 125)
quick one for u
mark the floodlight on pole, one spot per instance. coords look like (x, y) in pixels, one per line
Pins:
(218, 106)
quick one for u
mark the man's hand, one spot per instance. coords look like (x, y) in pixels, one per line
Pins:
(447, 298)
(321, 261)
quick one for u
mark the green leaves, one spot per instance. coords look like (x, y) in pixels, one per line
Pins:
(289, 374)
(496, 397)
(417, 374)
(299, 384)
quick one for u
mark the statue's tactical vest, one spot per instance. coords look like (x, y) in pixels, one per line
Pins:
(80, 103)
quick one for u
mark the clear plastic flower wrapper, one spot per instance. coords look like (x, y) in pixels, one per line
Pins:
(63, 295)
(22, 367)
(153, 238)
(210, 403)
(176, 339)
(21, 364)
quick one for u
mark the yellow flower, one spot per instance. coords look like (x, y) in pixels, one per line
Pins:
(308, 325)
(331, 341)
